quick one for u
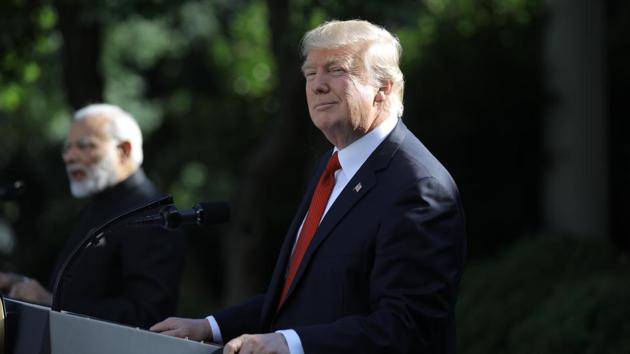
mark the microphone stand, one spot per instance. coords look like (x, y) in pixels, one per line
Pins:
(92, 238)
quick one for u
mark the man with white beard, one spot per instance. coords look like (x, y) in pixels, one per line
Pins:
(133, 274)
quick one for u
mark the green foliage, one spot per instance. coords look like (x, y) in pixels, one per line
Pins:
(251, 60)
(26, 36)
(546, 294)
(187, 72)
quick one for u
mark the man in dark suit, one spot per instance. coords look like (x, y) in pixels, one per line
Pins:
(132, 275)
(374, 255)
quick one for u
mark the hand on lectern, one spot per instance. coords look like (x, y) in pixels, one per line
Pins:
(30, 290)
(8, 279)
(195, 329)
(257, 343)
(23, 288)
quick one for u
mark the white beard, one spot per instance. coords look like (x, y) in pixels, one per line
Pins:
(98, 177)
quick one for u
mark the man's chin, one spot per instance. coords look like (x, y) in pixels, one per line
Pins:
(326, 123)
(80, 190)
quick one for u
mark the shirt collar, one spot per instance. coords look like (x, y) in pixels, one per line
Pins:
(126, 186)
(352, 157)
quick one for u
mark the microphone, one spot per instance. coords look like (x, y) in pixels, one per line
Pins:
(11, 191)
(202, 213)
(92, 237)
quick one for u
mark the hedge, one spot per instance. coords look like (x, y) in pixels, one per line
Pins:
(547, 294)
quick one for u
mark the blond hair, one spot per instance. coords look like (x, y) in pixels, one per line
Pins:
(381, 57)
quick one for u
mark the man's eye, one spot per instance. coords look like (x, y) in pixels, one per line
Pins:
(337, 70)
(86, 145)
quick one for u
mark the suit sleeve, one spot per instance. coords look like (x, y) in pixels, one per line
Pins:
(146, 290)
(241, 318)
(416, 266)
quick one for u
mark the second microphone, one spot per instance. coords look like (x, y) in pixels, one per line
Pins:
(202, 213)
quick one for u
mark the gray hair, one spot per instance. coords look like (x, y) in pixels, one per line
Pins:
(122, 126)
(381, 58)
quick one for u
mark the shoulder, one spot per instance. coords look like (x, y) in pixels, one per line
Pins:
(140, 190)
(412, 163)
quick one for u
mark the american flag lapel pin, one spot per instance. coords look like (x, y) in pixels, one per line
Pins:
(358, 187)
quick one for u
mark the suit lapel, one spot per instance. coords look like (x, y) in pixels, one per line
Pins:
(360, 184)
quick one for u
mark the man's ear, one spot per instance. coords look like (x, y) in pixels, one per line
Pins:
(383, 92)
(124, 150)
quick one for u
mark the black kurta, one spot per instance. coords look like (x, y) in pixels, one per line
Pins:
(132, 276)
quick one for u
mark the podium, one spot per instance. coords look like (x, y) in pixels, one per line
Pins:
(34, 329)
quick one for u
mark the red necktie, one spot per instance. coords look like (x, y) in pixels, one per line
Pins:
(315, 212)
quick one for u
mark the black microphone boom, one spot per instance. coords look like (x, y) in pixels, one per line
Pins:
(202, 213)
(93, 237)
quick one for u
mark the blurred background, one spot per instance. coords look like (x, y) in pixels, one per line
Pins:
(524, 101)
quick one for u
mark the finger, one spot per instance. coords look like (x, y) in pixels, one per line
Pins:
(233, 346)
(167, 324)
(249, 345)
(174, 333)
(158, 327)
(16, 290)
(5, 280)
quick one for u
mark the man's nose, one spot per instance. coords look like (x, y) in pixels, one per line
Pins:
(69, 154)
(320, 84)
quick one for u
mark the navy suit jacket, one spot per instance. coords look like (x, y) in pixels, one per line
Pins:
(382, 271)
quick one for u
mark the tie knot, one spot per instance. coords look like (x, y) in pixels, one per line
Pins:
(333, 164)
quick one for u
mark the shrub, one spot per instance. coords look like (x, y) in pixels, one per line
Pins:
(546, 294)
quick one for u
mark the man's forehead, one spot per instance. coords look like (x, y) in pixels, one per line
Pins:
(91, 126)
(327, 56)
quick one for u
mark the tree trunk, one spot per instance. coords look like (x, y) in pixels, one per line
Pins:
(576, 180)
(81, 54)
(618, 75)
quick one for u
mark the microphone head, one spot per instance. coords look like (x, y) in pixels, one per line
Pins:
(212, 212)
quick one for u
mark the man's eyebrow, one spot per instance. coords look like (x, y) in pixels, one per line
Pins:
(332, 60)
(306, 66)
